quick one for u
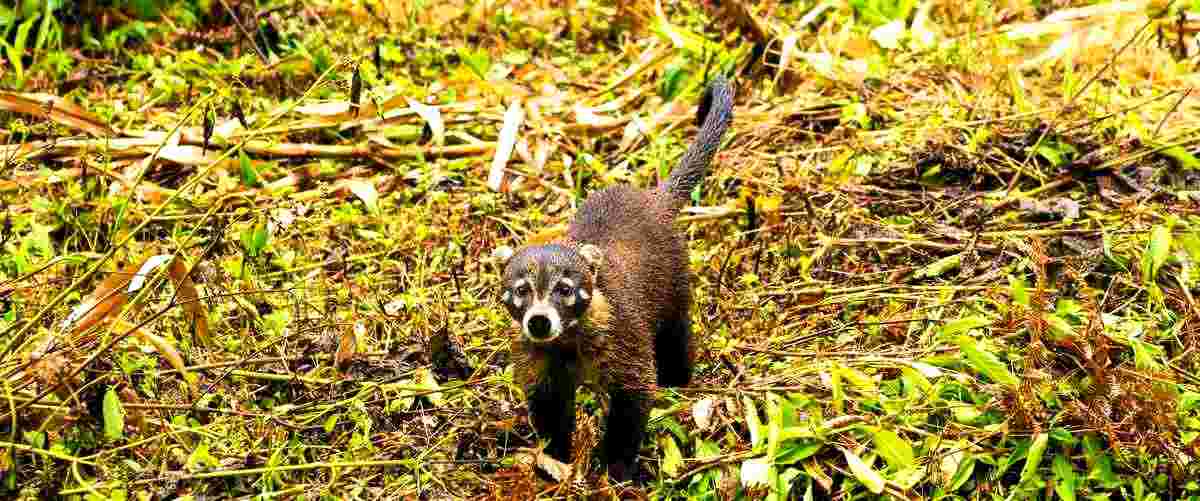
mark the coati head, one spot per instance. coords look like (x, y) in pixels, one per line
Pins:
(548, 288)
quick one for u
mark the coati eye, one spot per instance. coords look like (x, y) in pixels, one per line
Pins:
(523, 289)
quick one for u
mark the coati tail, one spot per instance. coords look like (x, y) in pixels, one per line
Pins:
(713, 117)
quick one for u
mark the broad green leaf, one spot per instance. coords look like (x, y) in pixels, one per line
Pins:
(795, 451)
(672, 82)
(939, 267)
(752, 422)
(783, 483)
(859, 381)
(1059, 327)
(965, 469)
(249, 175)
(114, 415)
(1034, 458)
(1144, 354)
(1050, 153)
(1065, 474)
(895, 450)
(1188, 401)
(862, 471)
(774, 424)
(477, 61)
(1018, 290)
(965, 324)
(254, 240)
(707, 449)
(986, 363)
(1182, 156)
(1120, 261)
(909, 478)
(1190, 242)
(1156, 252)
(672, 458)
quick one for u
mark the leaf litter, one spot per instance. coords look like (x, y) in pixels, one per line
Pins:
(942, 250)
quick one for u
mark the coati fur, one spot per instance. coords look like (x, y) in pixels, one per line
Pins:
(608, 304)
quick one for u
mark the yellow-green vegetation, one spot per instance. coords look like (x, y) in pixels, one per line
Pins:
(949, 250)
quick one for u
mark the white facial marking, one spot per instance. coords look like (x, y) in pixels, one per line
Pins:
(542, 308)
(568, 282)
(584, 295)
(518, 301)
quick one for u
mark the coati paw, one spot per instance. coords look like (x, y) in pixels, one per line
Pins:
(623, 471)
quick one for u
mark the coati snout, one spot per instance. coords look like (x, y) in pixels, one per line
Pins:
(608, 305)
(548, 289)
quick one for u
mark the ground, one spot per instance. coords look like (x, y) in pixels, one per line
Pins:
(948, 250)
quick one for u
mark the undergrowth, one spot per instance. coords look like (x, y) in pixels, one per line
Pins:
(948, 250)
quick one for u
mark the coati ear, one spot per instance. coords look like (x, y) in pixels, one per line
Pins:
(502, 254)
(592, 255)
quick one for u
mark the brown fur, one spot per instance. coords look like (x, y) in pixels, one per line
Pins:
(607, 304)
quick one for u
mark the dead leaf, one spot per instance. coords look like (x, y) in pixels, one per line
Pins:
(702, 412)
(557, 470)
(50, 369)
(326, 109)
(106, 299)
(504, 147)
(162, 346)
(55, 108)
(447, 356)
(133, 415)
(433, 117)
(348, 345)
(188, 297)
(182, 154)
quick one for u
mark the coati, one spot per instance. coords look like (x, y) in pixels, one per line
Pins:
(608, 304)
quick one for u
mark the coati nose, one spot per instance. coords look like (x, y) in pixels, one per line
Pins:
(538, 326)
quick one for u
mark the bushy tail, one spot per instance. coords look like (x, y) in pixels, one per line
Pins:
(713, 117)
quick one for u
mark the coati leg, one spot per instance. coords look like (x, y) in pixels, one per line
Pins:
(625, 426)
(552, 408)
(672, 351)
(672, 342)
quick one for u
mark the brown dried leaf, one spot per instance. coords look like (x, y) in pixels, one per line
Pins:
(54, 108)
(182, 154)
(189, 298)
(513, 118)
(348, 345)
(162, 346)
(557, 470)
(105, 300)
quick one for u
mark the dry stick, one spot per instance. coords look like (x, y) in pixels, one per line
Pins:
(1163, 120)
(44, 452)
(267, 360)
